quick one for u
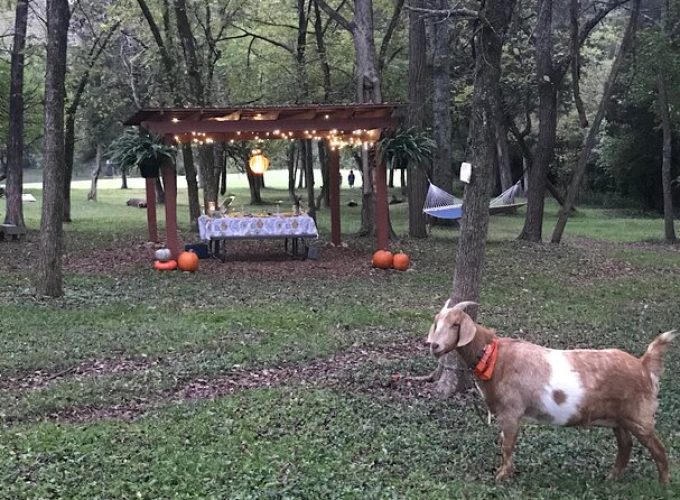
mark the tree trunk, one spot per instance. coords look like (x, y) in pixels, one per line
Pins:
(160, 192)
(591, 136)
(69, 148)
(547, 121)
(186, 36)
(323, 200)
(664, 114)
(223, 178)
(92, 195)
(192, 185)
(367, 195)
(170, 73)
(417, 84)
(442, 164)
(253, 181)
(309, 177)
(482, 137)
(98, 45)
(49, 266)
(321, 50)
(15, 146)
(123, 180)
(207, 157)
(254, 185)
(367, 90)
(292, 155)
(503, 155)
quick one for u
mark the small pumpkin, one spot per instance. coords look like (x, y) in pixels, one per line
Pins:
(401, 261)
(169, 265)
(382, 259)
(188, 261)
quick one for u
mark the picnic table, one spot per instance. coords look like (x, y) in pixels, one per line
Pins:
(292, 228)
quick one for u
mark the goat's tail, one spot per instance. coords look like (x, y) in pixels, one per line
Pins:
(653, 358)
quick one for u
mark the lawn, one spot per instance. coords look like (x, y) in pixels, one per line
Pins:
(267, 378)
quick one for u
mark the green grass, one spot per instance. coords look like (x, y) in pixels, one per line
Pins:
(356, 436)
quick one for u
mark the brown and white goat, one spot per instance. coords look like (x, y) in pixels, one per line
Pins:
(524, 381)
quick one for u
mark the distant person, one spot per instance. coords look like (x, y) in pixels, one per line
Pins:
(351, 178)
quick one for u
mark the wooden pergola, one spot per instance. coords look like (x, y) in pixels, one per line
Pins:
(337, 124)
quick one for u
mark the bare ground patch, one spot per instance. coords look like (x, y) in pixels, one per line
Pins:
(336, 371)
(90, 368)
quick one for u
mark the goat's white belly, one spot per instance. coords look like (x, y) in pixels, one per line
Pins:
(561, 397)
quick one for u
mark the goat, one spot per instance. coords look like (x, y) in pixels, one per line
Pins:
(524, 381)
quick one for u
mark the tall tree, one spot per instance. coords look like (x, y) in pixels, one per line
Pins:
(367, 81)
(547, 123)
(197, 85)
(417, 84)
(49, 272)
(666, 157)
(591, 136)
(99, 43)
(495, 17)
(550, 72)
(442, 166)
(15, 145)
(169, 65)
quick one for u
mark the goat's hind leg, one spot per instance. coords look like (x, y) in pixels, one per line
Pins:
(509, 432)
(649, 440)
(625, 445)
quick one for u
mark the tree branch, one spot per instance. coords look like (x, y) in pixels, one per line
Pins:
(584, 32)
(335, 15)
(458, 13)
(394, 21)
(165, 56)
(281, 45)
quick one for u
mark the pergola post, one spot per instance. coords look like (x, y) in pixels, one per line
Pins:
(334, 192)
(151, 221)
(170, 185)
(382, 231)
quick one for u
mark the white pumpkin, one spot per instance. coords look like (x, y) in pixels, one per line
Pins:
(163, 254)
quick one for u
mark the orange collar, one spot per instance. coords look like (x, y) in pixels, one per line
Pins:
(485, 367)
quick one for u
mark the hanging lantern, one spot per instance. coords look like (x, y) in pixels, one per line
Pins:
(259, 163)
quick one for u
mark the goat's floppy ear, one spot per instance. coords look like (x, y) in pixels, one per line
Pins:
(467, 331)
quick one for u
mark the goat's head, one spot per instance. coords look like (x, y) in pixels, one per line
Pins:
(452, 328)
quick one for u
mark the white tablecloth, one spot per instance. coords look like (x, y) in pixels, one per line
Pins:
(273, 226)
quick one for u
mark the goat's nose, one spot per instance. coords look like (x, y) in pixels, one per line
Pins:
(434, 347)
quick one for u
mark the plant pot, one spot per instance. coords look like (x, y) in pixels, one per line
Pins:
(149, 168)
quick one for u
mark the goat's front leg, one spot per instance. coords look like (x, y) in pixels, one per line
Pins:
(625, 444)
(509, 432)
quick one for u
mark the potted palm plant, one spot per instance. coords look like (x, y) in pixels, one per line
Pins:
(142, 150)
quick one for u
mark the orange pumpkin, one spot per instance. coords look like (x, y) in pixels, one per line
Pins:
(401, 261)
(169, 265)
(382, 259)
(188, 261)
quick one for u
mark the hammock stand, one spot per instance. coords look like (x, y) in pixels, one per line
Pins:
(443, 205)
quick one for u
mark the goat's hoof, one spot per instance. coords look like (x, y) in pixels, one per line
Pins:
(504, 474)
(614, 474)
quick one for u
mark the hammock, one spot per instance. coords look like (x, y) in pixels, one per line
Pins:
(443, 205)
